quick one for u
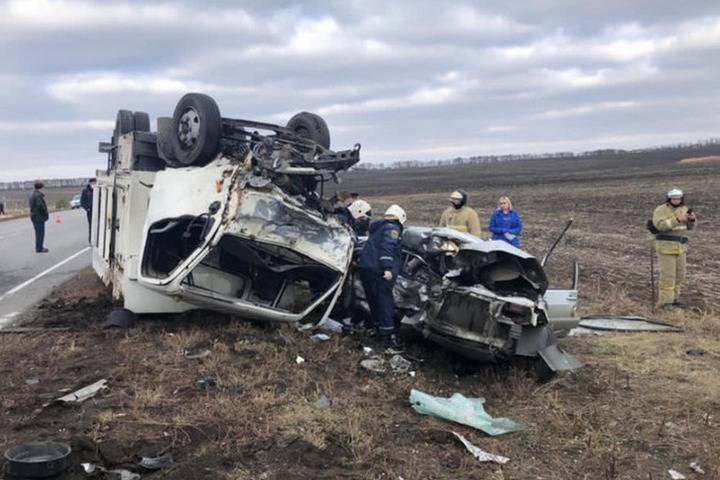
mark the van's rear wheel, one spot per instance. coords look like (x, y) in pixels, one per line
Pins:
(196, 129)
(124, 123)
(141, 122)
(311, 126)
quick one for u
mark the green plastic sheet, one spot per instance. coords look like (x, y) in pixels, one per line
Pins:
(460, 409)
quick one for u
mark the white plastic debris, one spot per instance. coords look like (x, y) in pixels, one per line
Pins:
(399, 364)
(299, 360)
(367, 350)
(412, 373)
(196, 353)
(84, 393)
(580, 331)
(675, 475)
(305, 326)
(480, 454)
(323, 402)
(374, 364)
(330, 325)
(697, 468)
(320, 337)
(124, 474)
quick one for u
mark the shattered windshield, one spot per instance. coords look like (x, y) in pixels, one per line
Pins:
(267, 218)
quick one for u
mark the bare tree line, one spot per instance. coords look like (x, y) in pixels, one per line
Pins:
(689, 147)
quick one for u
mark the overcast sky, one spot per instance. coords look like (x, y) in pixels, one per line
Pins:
(408, 80)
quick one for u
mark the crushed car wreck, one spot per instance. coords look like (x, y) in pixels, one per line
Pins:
(485, 300)
(206, 213)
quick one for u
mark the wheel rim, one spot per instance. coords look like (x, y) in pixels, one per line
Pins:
(189, 128)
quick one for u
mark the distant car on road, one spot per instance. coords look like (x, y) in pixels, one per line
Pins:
(75, 202)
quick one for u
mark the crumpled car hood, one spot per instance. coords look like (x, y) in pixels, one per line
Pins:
(488, 262)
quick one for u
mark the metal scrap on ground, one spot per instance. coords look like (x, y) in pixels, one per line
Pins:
(320, 337)
(84, 393)
(157, 463)
(460, 409)
(619, 323)
(193, 353)
(374, 364)
(480, 454)
(400, 364)
(675, 475)
(91, 468)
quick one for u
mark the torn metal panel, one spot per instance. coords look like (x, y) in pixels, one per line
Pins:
(625, 324)
(557, 359)
(480, 454)
(268, 218)
(485, 300)
(84, 393)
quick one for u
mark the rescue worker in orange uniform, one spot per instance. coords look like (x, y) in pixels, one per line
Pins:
(673, 221)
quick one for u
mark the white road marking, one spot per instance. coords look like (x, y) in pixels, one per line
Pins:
(42, 274)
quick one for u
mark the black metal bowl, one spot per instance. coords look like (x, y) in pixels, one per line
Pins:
(37, 459)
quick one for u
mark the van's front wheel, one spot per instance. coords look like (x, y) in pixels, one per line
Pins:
(196, 129)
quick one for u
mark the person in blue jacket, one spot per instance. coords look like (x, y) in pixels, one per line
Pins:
(379, 265)
(505, 223)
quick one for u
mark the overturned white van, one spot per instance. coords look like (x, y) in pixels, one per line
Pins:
(208, 213)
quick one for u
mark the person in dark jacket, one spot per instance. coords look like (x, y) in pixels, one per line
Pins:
(379, 265)
(39, 215)
(86, 202)
(505, 223)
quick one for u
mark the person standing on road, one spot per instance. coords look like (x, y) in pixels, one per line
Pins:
(459, 216)
(86, 202)
(379, 266)
(672, 220)
(505, 223)
(39, 215)
(2, 207)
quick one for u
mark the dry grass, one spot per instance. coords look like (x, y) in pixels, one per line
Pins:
(640, 406)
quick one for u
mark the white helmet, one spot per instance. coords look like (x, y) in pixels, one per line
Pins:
(359, 209)
(396, 212)
(456, 195)
(675, 193)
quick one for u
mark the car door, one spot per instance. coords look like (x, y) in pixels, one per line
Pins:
(561, 305)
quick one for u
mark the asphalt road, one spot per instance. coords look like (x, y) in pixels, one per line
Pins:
(27, 277)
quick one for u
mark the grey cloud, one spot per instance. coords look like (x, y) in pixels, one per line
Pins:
(407, 79)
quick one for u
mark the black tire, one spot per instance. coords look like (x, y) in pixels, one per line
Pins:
(311, 126)
(196, 129)
(124, 123)
(142, 122)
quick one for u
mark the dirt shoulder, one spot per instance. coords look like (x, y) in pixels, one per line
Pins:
(5, 218)
(639, 407)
